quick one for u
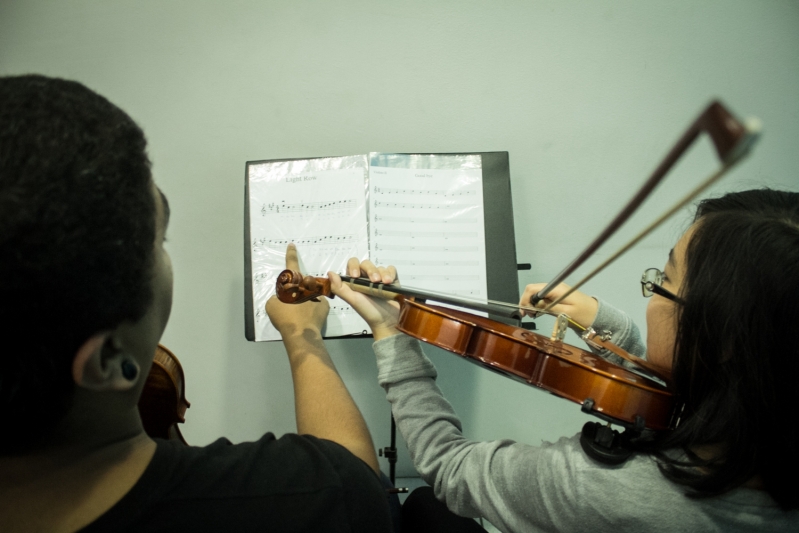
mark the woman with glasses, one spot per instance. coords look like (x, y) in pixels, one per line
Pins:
(720, 319)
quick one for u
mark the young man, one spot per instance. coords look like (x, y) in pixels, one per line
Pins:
(85, 294)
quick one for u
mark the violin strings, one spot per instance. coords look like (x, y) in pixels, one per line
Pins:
(446, 298)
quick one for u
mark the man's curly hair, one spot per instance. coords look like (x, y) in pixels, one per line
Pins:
(77, 229)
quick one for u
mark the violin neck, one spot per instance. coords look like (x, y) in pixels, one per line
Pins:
(396, 292)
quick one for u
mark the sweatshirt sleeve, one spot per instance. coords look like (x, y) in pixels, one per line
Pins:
(624, 333)
(504, 481)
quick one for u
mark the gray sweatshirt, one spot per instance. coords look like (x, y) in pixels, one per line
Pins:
(555, 486)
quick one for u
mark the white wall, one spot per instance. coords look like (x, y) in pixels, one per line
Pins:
(586, 97)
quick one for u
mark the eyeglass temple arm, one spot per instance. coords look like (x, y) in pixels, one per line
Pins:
(732, 141)
(654, 288)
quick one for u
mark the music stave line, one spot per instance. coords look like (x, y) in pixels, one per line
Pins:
(441, 277)
(305, 207)
(413, 262)
(414, 248)
(423, 220)
(428, 234)
(465, 293)
(426, 192)
(400, 205)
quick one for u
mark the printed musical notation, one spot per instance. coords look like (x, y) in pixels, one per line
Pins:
(337, 310)
(441, 277)
(427, 234)
(322, 240)
(465, 292)
(319, 205)
(306, 207)
(402, 205)
(380, 260)
(341, 309)
(413, 248)
(426, 192)
(426, 220)
(441, 209)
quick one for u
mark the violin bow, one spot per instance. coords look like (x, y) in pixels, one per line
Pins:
(732, 139)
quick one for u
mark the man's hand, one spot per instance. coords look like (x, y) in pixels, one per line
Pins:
(579, 306)
(294, 319)
(381, 315)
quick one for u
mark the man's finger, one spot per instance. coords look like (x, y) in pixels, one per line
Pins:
(292, 259)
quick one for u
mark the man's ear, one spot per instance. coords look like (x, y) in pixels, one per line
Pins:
(100, 364)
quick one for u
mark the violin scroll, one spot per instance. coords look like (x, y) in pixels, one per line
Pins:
(293, 288)
(163, 403)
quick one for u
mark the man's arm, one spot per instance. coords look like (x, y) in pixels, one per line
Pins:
(323, 405)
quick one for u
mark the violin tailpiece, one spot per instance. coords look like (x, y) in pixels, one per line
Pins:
(602, 342)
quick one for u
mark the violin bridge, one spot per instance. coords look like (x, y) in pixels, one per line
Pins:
(559, 330)
(589, 336)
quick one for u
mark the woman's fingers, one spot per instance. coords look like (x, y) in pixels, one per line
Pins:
(374, 273)
(354, 267)
(387, 274)
(369, 270)
(579, 306)
(534, 288)
(525, 301)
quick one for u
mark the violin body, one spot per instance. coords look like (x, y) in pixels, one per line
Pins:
(163, 403)
(603, 388)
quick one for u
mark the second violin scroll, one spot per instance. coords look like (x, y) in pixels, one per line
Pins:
(163, 404)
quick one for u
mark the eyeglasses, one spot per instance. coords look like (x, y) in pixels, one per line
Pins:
(651, 283)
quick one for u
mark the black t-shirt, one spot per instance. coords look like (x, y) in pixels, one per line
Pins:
(295, 483)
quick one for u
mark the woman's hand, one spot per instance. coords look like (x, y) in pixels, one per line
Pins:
(579, 306)
(381, 315)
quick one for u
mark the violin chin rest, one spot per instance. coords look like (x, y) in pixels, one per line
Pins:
(604, 444)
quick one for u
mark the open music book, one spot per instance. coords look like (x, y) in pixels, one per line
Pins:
(422, 213)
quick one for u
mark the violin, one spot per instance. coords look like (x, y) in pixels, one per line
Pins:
(601, 387)
(636, 399)
(163, 403)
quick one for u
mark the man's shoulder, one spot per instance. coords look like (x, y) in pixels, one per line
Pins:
(268, 465)
(278, 483)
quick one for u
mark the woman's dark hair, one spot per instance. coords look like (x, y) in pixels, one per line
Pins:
(77, 229)
(735, 359)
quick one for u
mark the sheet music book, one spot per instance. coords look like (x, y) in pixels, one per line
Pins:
(423, 213)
